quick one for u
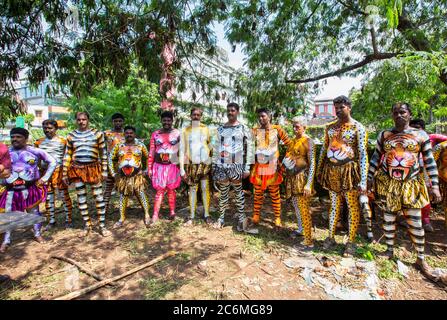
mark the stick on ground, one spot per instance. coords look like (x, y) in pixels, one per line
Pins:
(78, 293)
(80, 267)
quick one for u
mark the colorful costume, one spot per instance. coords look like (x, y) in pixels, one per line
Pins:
(22, 193)
(85, 163)
(232, 157)
(195, 160)
(265, 173)
(342, 169)
(440, 155)
(112, 138)
(56, 147)
(300, 166)
(129, 177)
(399, 181)
(162, 163)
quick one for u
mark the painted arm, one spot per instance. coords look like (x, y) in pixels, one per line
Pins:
(429, 161)
(150, 160)
(68, 156)
(435, 138)
(112, 158)
(103, 152)
(375, 159)
(5, 162)
(215, 143)
(182, 151)
(51, 162)
(311, 154)
(323, 151)
(362, 144)
(250, 156)
(283, 136)
(437, 150)
(145, 157)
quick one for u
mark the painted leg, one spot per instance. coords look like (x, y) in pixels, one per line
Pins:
(416, 231)
(7, 236)
(123, 206)
(299, 231)
(352, 201)
(81, 193)
(224, 198)
(38, 226)
(50, 207)
(172, 196)
(389, 228)
(206, 196)
(100, 208)
(258, 200)
(239, 200)
(276, 203)
(110, 183)
(144, 202)
(334, 212)
(303, 204)
(68, 206)
(157, 204)
(192, 195)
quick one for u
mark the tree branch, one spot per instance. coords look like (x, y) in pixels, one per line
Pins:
(374, 40)
(368, 59)
(352, 8)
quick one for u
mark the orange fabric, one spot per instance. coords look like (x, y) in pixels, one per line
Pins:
(87, 173)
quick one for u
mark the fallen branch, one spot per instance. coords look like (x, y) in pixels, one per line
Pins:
(80, 267)
(100, 284)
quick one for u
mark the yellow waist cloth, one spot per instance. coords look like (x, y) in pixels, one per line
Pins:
(398, 195)
(340, 178)
(129, 186)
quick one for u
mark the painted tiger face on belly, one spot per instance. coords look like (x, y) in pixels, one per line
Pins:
(401, 156)
(338, 152)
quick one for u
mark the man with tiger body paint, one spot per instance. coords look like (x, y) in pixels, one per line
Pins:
(300, 166)
(113, 137)
(440, 155)
(131, 159)
(399, 183)
(55, 145)
(343, 168)
(266, 174)
(232, 157)
(195, 163)
(85, 164)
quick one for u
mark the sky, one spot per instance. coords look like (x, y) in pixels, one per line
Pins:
(335, 86)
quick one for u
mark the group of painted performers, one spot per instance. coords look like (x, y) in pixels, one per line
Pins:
(402, 176)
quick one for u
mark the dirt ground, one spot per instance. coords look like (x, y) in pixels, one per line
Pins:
(210, 264)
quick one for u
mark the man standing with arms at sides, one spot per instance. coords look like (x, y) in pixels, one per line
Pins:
(399, 183)
(232, 157)
(25, 188)
(265, 173)
(342, 170)
(85, 163)
(195, 163)
(55, 145)
(131, 158)
(113, 137)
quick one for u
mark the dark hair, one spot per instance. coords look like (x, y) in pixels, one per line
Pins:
(418, 122)
(196, 108)
(167, 114)
(21, 131)
(262, 110)
(51, 122)
(401, 104)
(233, 105)
(342, 100)
(130, 128)
(117, 116)
(82, 112)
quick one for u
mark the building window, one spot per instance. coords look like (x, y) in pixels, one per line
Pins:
(38, 113)
(329, 109)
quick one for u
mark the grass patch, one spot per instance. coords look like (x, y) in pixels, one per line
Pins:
(158, 288)
(388, 270)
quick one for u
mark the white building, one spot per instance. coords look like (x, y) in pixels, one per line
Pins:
(199, 71)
